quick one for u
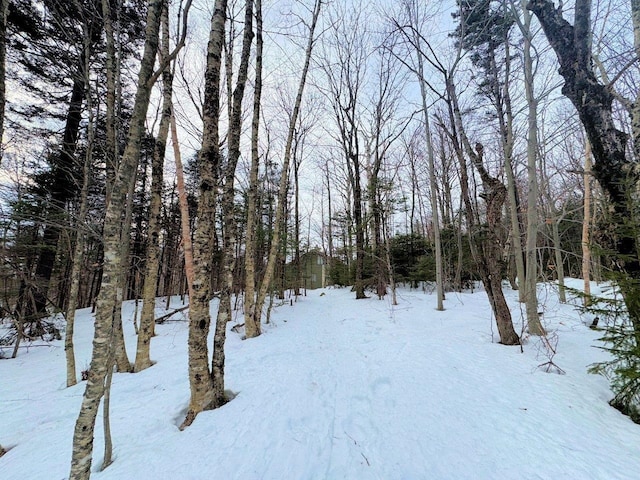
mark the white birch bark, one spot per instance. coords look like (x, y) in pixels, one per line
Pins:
(107, 300)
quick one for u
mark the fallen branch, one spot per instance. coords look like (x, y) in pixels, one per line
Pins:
(163, 318)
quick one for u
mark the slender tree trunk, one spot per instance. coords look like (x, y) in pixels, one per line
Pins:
(330, 213)
(531, 295)
(111, 147)
(487, 249)
(184, 209)
(147, 318)
(297, 280)
(586, 246)
(557, 249)
(110, 296)
(505, 119)
(4, 8)
(228, 212)
(359, 225)
(106, 414)
(200, 381)
(284, 179)
(78, 255)
(120, 351)
(252, 323)
(433, 187)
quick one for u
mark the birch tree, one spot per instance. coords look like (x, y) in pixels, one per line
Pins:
(284, 179)
(147, 318)
(228, 213)
(110, 296)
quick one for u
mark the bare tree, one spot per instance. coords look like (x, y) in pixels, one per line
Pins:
(530, 297)
(147, 318)
(4, 7)
(284, 179)
(200, 381)
(251, 323)
(345, 66)
(612, 167)
(110, 296)
(78, 256)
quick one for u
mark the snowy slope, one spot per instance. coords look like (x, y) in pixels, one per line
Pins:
(339, 389)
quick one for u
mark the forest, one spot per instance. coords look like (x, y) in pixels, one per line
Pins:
(248, 152)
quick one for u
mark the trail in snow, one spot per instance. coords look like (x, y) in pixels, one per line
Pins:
(340, 389)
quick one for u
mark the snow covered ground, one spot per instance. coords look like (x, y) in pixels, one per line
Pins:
(339, 389)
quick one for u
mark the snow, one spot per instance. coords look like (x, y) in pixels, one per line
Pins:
(338, 388)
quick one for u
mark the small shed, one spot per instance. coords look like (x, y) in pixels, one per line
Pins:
(314, 270)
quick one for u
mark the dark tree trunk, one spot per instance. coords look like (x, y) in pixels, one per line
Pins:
(613, 169)
(495, 194)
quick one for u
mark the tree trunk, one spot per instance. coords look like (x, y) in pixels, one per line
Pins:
(557, 249)
(228, 212)
(486, 246)
(252, 322)
(531, 295)
(78, 254)
(4, 7)
(111, 292)
(495, 193)
(359, 224)
(284, 179)
(184, 209)
(200, 381)
(586, 247)
(432, 185)
(594, 104)
(147, 318)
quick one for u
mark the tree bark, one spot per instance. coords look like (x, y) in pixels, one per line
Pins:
(147, 318)
(185, 222)
(495, 194)
(78, 254)
(200, 381)
(433, 187)
(228, 212)
(593, 101)
(284, 179)
(252, 323)
(110, 296)
(586, 246)
(486, 246)
(4, 7)
(531, 295)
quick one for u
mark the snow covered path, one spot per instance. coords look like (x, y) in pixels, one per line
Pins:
(340, 389)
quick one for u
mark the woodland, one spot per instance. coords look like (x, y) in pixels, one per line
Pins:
(205, 149)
